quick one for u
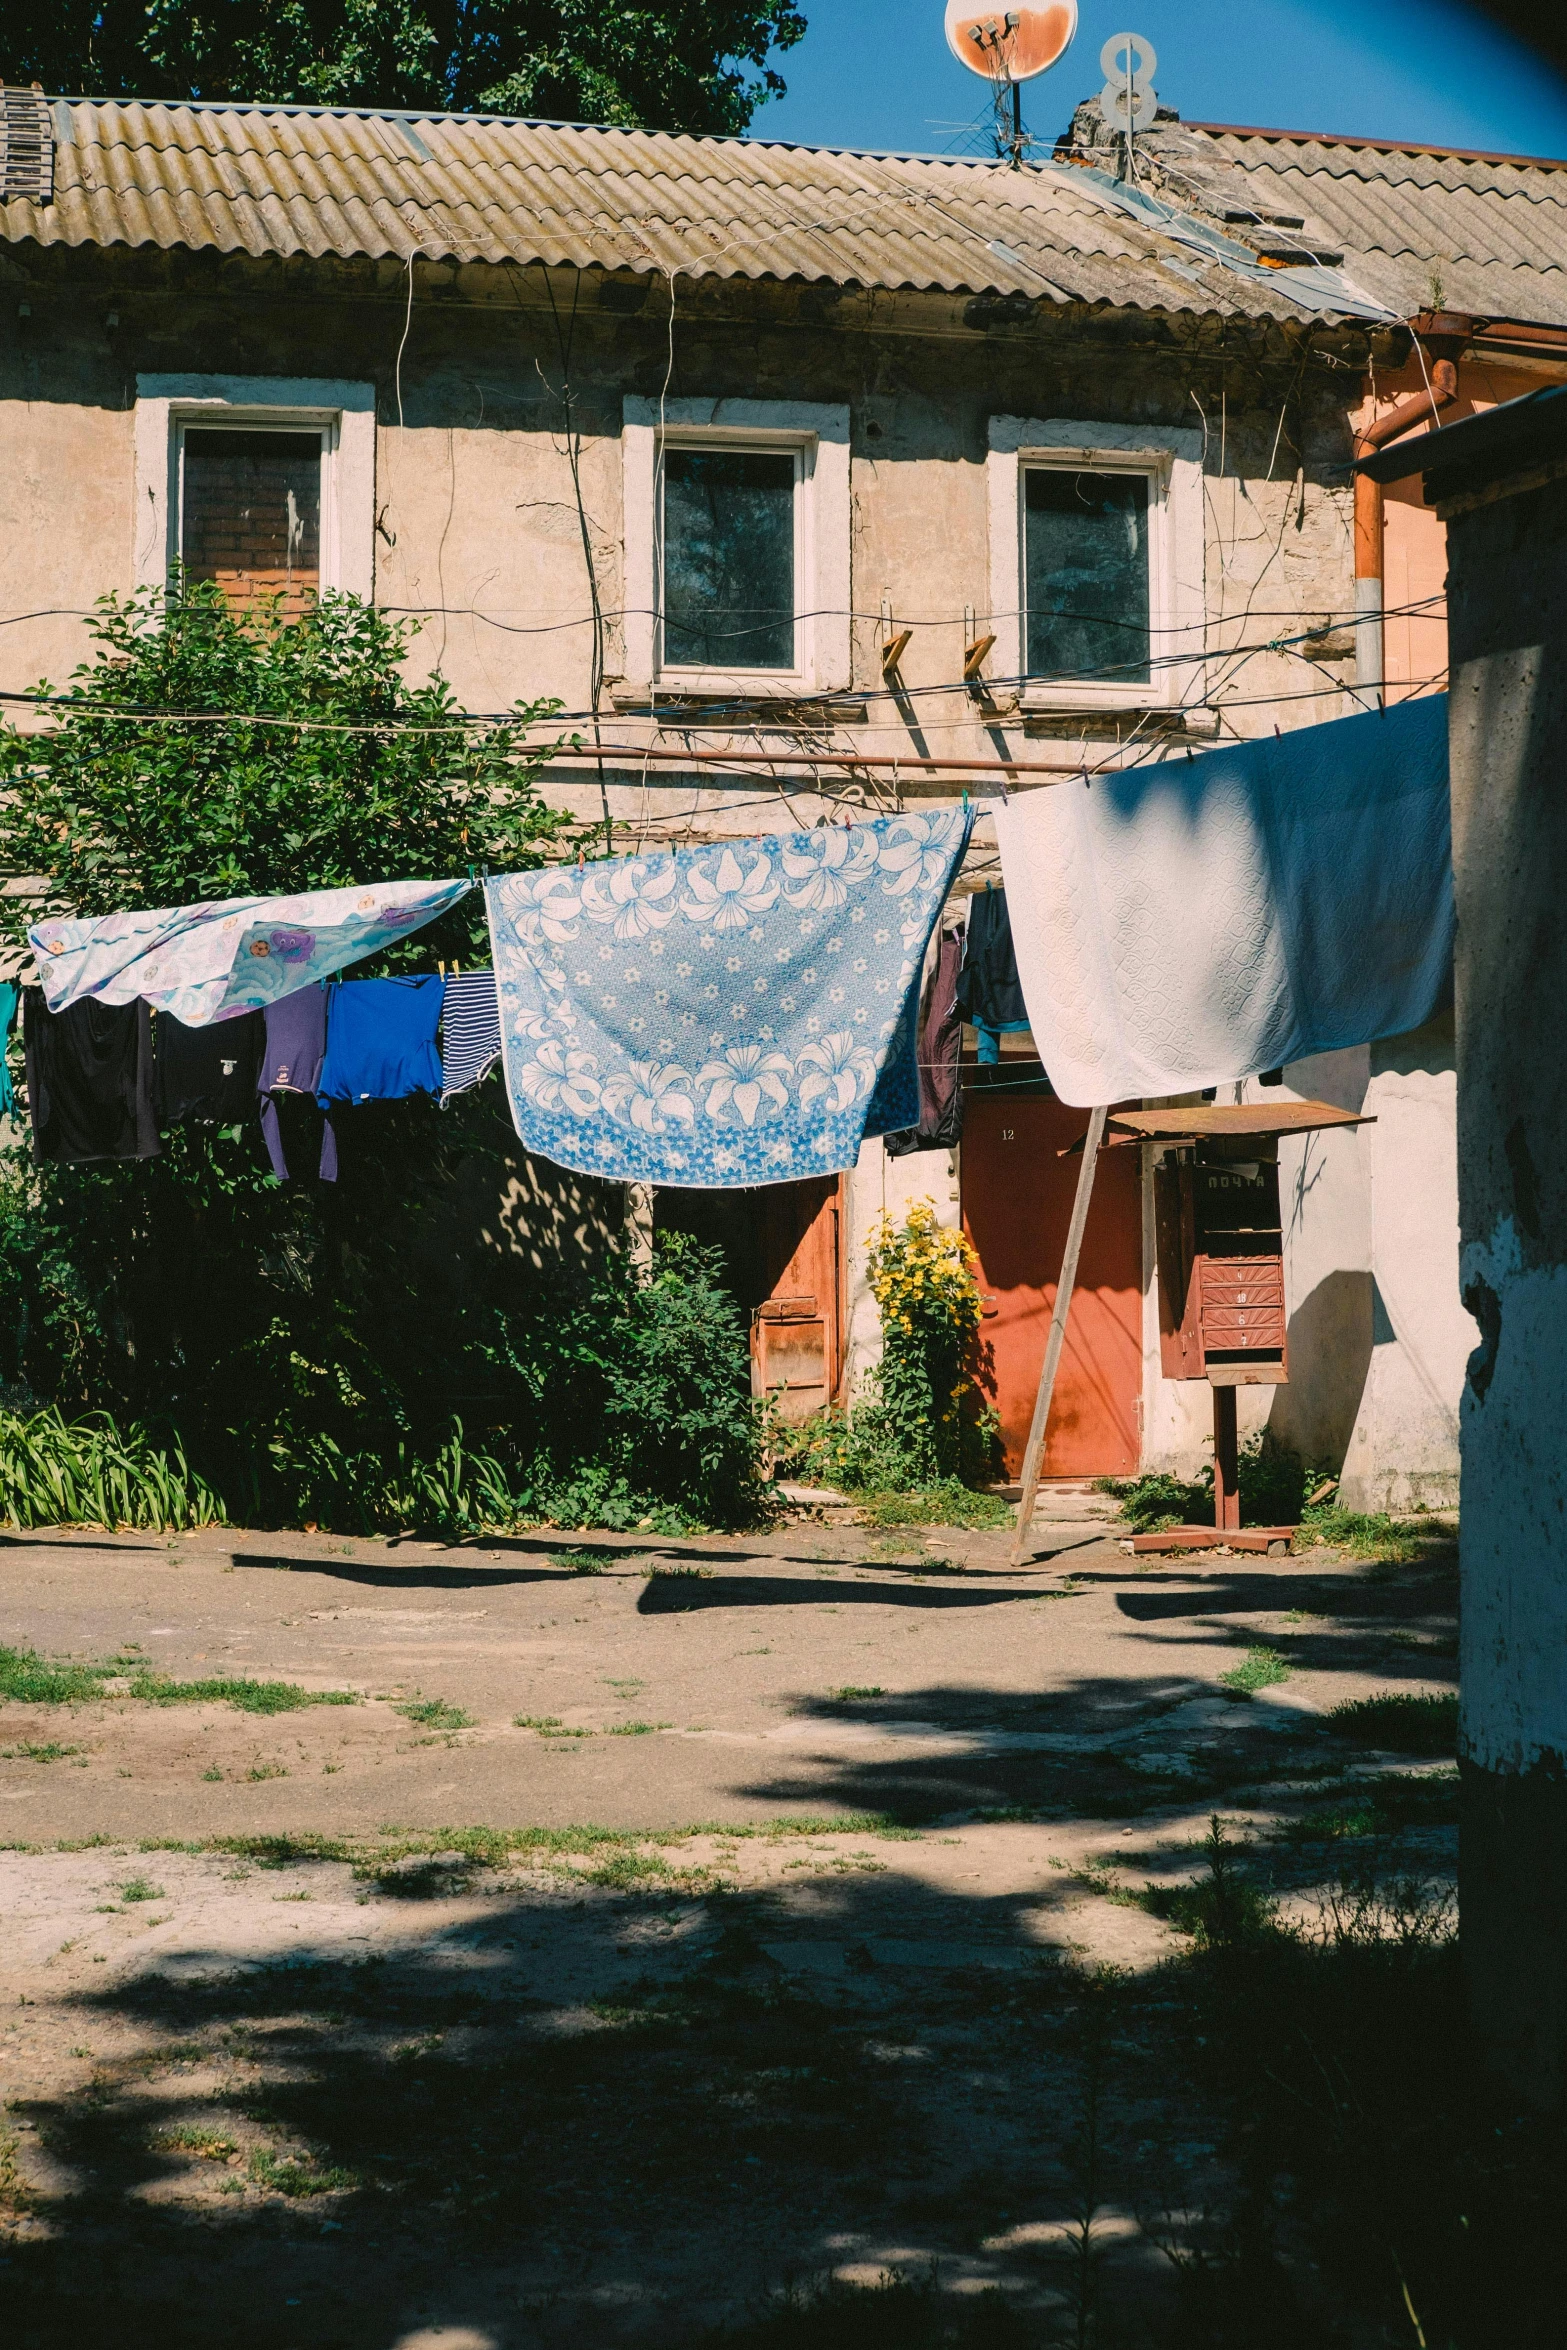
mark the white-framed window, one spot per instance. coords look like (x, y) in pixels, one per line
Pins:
(1096, 563)
(737, 535)
(264, 484)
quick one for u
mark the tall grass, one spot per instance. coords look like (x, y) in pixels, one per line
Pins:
(92, 1472)
(89, 1472)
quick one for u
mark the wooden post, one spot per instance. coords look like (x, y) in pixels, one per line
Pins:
(1226, 1462)
(1057, 1338)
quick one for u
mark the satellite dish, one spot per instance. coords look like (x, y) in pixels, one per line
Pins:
(1010, 44)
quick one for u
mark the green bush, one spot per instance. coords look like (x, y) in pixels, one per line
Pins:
(313, 1353)
(920, 1421)
(1273, 1488)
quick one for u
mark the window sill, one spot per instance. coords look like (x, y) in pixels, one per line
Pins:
(739, 698)
(1110, 699)
(1159, 720)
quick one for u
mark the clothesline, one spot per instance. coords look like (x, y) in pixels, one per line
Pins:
(747, 1011)
(724, 1015)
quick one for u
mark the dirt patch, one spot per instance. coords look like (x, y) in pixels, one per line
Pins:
(862, 1965)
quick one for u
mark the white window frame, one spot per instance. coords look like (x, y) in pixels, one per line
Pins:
(1171, 462)
(816, 435)
(343, 414)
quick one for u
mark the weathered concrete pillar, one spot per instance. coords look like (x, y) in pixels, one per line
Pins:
(1501, 482)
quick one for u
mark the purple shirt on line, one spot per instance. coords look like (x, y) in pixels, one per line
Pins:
(295, 1050)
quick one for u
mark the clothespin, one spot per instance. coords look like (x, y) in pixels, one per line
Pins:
(1188, 754)
(965, 801)
(1381, 707)
(1278, 730)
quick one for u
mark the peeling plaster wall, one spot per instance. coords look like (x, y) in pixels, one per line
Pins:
(1404, 1450)
(1508, 747)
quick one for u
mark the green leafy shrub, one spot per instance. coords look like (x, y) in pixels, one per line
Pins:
(1273, 1487)
(328, 1354)
(89, 1472)
(921, 1421)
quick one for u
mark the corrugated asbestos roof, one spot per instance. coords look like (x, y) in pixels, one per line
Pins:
(1420, 230)
(270, 180)
(267, 180)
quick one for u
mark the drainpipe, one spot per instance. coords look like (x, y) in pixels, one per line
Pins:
(1443, 335)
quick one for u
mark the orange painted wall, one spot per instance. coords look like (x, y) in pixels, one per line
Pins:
(1415, 543)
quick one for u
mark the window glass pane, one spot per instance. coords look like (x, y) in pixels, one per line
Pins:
(250, 513)
(1086, 572)
(728, 559)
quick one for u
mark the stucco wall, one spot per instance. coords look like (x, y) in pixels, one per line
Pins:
(1378, 1333)
(1508, 741)
(477, 527)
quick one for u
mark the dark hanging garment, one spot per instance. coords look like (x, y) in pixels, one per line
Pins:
(990, 994)
(207, 1076)
(89, 1080)
(940, 1046)
(10, 997)
(291, 1063)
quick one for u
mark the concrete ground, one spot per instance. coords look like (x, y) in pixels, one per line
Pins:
(801, 1840)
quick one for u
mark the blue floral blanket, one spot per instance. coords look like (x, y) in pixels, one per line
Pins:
(722, 1016)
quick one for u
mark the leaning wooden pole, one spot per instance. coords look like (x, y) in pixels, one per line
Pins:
(1059, 1314)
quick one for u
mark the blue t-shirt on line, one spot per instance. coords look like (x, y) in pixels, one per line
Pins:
(380, 1039)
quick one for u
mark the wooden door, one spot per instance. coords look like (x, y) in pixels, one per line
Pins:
(796, 1330)
(1017, 1202)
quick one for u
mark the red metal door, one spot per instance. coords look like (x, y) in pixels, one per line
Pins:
(1017, 1202)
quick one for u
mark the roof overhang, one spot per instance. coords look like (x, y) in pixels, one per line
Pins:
(1519, 437)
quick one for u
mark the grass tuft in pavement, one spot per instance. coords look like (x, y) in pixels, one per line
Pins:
(1261, 1668)
(29, 1679)
(948, 1503)
(26, 1679)
(433, 1713)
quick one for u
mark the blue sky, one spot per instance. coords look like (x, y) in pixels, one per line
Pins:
(878, 73)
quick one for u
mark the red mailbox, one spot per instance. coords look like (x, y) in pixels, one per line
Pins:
(1221, 1265)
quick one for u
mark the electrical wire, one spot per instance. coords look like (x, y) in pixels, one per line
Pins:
(476, 720)
(639, 611)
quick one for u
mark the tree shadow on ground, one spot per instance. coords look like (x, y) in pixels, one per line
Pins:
(613, 2099)
(605, 2112)
(676, 1594)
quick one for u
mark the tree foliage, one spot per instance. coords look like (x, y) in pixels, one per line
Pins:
(676, 65)
(209, 752)
(366, 1351)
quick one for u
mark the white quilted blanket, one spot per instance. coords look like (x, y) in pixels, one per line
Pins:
(1206, 918)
